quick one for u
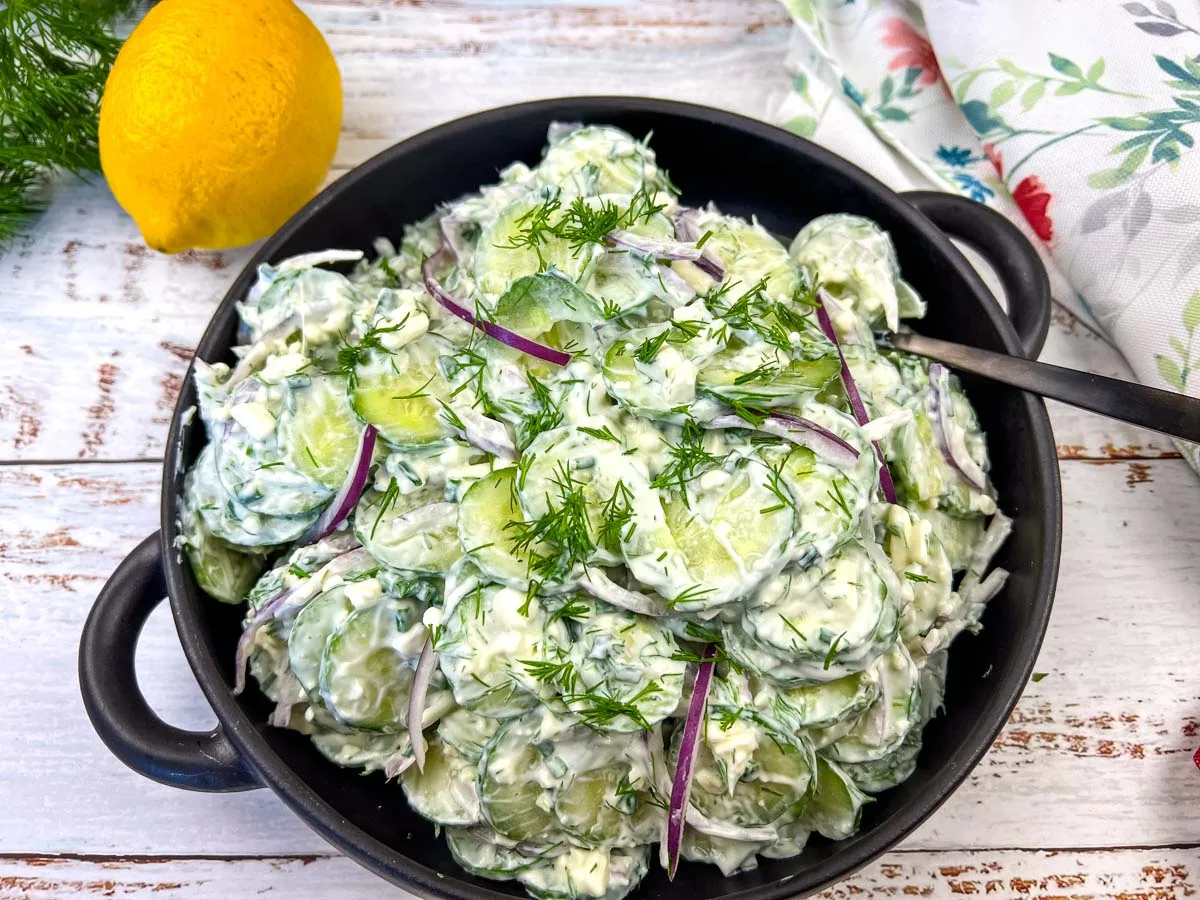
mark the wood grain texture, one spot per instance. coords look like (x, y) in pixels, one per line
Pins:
(1119, 706)
(1153, 874)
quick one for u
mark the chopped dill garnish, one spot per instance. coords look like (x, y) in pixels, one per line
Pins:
(764, 373)
(544, 417)
(564, 531)
(603, 434)
(451, 417)
(919, 578)
(386, 502)
(833, 648)
(561, 674)
(687, 459)
(419, 392)
(350, 356)
(617, 525)
(597, 709)
(689, 595)
(573, 609)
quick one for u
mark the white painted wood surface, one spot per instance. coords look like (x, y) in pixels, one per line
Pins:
(97, 334)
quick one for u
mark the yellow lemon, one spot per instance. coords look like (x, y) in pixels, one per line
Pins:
(219, 120)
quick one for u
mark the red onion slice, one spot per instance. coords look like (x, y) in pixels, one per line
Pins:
(686, 230)
(705, 825)
(347, 496)
(397, 766)
(416, 701)
(293, 596)
(953, 452)
(800, 431)
(604, 588)
(657, 247)
(491, 329)
(485, 433)
(681, 788)
(856, 404)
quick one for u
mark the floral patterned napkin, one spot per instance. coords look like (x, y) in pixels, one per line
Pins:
(1077, 119)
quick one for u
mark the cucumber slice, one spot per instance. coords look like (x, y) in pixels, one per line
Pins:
(824, 622)
(932, 614)
(428, 546)
(444, 791)
(503, 254)
(728, 855)
(816, 706)
(599, 159)
(512, 800)
(594, 807)
(488, 506)
(661, 389)
(829, 500)
(835, 807)
(749, 254)
(736, 785)
(763, 375)
(874, 776)
(400, 392)
(732, 529)
(229, 520)
(221, 571)
(578, 874)
(323, 615)
(623, 660)
(467, 733)
(533, 304)
(884, 726)
(318, 431)
(574, 481)
(485, 644)
(370, 752)
(490, 857)
(367, 667)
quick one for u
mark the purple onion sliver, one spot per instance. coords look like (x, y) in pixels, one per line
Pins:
(491, 329)
(856, 404)
(261, 616)
(654, 246)
(809, 425)
(710, 267)
(798, 431)
(347, 496)
(939, 414)
(397, 766)
(681, 787)
(604, 588)
(416, 701)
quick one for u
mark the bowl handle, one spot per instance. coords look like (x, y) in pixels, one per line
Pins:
(196, 760)
(1006, 249)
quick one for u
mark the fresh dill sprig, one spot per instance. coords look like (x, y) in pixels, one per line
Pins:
(833, 648)
(763, 374)
(545, 416)
(597, 709)
(777, 486)
(572, 609)
(386, 502)
(561, 674)
(54, 58)
(602, 434)
(743, 313)
(616, 518)
(686, 459)
(586, 224)
(690, 594)
(350, 356)
(451, 417)
(918, 578)
(534, 228)
(563, 530)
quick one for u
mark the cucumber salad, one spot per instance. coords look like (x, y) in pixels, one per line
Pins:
(597, 521)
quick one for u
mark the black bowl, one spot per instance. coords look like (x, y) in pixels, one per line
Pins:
(747, 168)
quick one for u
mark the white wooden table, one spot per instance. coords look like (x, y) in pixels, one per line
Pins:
(1090, 791)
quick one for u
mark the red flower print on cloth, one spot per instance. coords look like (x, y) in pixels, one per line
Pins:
(994, 157)
(1033, 198)
(917, 52)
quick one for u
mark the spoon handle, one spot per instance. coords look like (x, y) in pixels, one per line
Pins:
(1163, 411)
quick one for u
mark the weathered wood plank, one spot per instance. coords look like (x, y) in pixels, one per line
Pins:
(1118, 708)
(99, 329)
(1155, 874)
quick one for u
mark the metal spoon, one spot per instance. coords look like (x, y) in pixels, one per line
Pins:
(1163, 411)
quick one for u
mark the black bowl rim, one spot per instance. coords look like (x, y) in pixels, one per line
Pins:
(389, 862)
